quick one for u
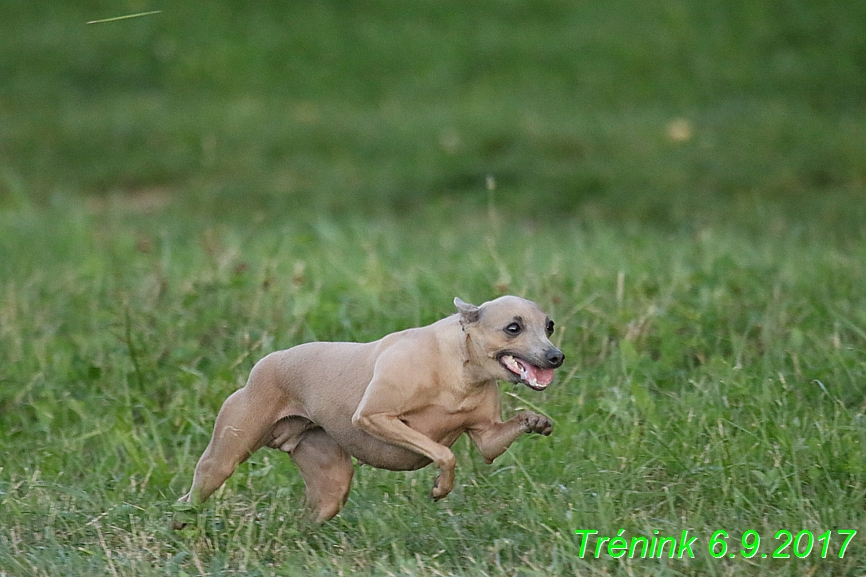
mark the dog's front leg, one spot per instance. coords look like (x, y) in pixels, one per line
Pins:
(493, 438)
(391, 429)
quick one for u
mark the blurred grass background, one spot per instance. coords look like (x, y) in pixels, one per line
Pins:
(659, 112)
(681, 185)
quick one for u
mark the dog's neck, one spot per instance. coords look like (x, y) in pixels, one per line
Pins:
(473, 359)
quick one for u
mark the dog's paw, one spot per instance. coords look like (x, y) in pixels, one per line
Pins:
(184, 514)
(535, 423)
(439, 491)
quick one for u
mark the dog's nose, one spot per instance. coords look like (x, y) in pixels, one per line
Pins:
(554, 357)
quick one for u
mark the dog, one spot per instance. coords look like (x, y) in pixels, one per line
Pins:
(398, 403)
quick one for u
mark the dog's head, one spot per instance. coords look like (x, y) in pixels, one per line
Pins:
(511, 338)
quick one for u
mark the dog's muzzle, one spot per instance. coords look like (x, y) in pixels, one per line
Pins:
(533, 376)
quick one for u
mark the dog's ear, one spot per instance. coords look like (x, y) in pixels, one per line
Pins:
(469, 313)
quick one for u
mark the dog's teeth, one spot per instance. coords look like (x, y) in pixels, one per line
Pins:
(510, 363)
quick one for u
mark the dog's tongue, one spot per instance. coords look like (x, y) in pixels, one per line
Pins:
(541, 376)
(528, 373)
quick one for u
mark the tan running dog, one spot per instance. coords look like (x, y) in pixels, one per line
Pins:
(398, 403)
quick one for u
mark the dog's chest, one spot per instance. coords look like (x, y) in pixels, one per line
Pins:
(446, 418)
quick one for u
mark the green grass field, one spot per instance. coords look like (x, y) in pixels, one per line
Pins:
(681, 186)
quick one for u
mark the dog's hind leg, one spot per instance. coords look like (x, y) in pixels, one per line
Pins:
(327, 471)
(243, 425)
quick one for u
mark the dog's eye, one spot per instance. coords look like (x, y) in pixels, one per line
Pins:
(513, 329)
(549, 328)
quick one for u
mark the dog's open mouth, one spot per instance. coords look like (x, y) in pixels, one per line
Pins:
(530, 375)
